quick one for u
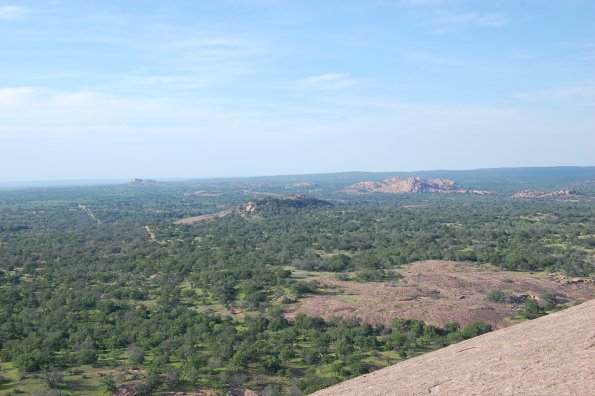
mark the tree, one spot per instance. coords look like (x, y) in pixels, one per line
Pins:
(496, 295)
(86, 353)
(136, 355)
(271, 364)
(548, 300)
(476, 328)
(53, 377)
(532, 309)
(109, 383)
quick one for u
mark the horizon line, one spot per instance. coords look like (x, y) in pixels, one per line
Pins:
(78, 182)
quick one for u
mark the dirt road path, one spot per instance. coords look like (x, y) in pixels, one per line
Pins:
(89, 213)
(152, 236)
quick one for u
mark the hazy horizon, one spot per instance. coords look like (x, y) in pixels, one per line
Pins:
(276, 87)
(122, 180)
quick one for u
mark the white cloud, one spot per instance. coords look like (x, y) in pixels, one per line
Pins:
(72, 133)
(12, 12)
(37, 110)
(10, 97)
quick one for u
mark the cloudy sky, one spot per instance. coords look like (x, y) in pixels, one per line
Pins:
(176, 89)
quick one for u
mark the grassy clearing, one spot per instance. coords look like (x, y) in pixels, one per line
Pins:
(82, 381)
(304, 275)
(348, 298)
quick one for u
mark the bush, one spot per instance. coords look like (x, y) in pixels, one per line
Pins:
(171, 379)
(53, 377)
(476, 328)
(136, 355)
(302, 288)
(502, 297)
(532, 309)
(31, 361)
(148, 387)
(109, 383)
(271, 364)
(376, 275)
(453, 338)
(452, 327)
(311, 383)
(548, 300)
(497, 296)
(336, 263)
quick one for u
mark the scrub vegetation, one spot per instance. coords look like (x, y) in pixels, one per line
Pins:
(102, 291)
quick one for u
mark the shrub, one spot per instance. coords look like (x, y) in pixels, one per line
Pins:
(53, 377)
(109, 383)
(136, 355)
(476, 328)
(497, 296)
(532, 309)
(548, 300)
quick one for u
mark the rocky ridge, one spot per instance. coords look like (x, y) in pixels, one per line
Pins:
(142, 182)
(397, 185)
(261, 205)
(543, 194)
(276, 203)
(301, 184)
(202, 193)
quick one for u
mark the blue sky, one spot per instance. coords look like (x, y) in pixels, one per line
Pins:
(176, 89)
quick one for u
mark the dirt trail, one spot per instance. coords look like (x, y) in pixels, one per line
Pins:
(206, 217)
(89, 213)
(152, 235)
(436, 292)
(552, 355)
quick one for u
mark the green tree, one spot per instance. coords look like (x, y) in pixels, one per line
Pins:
(532, 309)
(109, 383)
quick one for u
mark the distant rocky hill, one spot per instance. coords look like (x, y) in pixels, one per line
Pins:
(397, 185)
(142, 182)
(301, 184)
(277, 203)
(544, 194)
(202, 193)
(262, 205)
(552, 355)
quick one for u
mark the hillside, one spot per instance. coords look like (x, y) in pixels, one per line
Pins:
(275, 203)
(544, 194)
(104, 291)
(438, 292)
(397, 185)
(143, 182)
(553, 355)
(262, 205)
(500, 180)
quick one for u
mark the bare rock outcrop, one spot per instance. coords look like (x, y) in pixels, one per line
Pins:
(202, 193)
(276, 203)
(268, 205)
(142, 182)
(397, 185)
(301, 184)
(552, 355)
(545, 194)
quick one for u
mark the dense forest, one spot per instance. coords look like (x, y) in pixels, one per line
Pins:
(100, 289)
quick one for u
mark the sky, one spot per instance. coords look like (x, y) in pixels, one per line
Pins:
(184, 89)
